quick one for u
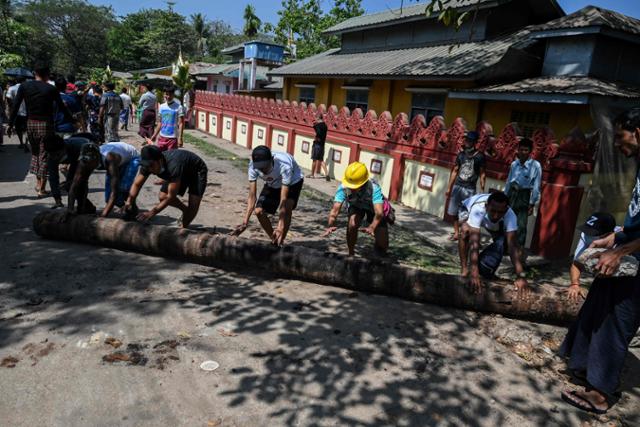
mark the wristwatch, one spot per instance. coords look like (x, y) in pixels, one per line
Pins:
(522, 275)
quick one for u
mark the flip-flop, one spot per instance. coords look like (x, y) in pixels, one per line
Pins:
(587, 406)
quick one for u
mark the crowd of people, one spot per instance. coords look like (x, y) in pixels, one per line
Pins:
(73, 128)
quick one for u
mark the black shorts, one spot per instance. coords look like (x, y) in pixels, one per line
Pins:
(367, 215)
(196, 184)
(317, 151)
(21, 124)
(269, 199)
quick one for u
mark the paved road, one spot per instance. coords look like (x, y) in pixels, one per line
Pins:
(289, 352)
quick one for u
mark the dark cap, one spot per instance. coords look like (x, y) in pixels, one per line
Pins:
(598, 224)
(261, 157)
(471, 136)
(90, 152)
(148, 154)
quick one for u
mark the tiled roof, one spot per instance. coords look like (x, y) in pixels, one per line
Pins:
(564, 85)
(449, 60)
(407, 12)
(592, 16)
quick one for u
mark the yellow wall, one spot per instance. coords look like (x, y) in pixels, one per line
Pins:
(384, 178)
(336, 170)
(257, 131)
(563, 117)
(213, 124)
(202, 120)
(303, 159)
(279, 144)
(379, 95)
(242, 138)
(227, 125)
(322, 90)
(465, 108)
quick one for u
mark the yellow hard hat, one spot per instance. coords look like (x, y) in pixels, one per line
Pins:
(356, 176)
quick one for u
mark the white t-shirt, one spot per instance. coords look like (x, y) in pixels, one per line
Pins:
(478, 218)
(126, 101)
(124, 150)
(11, 94)
(285, 171)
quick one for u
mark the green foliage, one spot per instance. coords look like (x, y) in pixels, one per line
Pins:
(150, 38)
(446, 14)
(202, 33)
(252, 23)
(69, 33)
(303, 21)
(181, 77)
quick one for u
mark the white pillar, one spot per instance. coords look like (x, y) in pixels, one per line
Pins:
(241, 76)
(253, 74)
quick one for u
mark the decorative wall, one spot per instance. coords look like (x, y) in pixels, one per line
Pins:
(418, 154)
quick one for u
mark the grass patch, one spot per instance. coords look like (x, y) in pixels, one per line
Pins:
(216, 152)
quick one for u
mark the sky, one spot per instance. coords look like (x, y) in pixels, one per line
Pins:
(231, 10)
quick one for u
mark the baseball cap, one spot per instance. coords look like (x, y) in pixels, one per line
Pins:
(598, 223)
(471, 135)
(148, 154)
(261, 157)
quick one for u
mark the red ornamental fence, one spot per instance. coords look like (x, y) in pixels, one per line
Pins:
(432, 144)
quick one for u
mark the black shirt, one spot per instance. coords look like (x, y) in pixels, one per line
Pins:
(321, 132)
(40, 99)
(179, 165)
(469, 166)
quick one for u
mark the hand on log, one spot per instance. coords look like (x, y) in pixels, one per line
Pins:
(368, 230)
(605, 243)
(575, 293)
(144, 216)
(475, 282)
(239, 230)
(329, 231)
(522, 288)
(608, 262)
(278, 237)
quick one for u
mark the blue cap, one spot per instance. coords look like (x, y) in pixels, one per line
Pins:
(472, 135)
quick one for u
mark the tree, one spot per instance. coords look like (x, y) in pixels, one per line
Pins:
(252, 23)
(202, 32)
(303, 22)
(150, 38)
(70, 33)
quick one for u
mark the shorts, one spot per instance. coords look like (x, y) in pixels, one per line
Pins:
(317, 151)
(21, 124)
(269, 199)
(166, 144)
(196, 184)
(367, 215)
(458, 195)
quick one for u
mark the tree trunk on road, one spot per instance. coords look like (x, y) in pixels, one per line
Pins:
(545, 304)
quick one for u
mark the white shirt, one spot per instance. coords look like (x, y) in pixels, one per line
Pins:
(126, 101)
(285, 171)
(124, 150)
(11, 94)
(478, 218)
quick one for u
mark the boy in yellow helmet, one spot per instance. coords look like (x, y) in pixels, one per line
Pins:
(364, 199)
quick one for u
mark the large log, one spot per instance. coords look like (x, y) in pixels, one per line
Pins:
(545, 304)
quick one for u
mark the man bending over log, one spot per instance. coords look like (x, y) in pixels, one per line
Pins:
(491, 212)
(283, 183)
(88, 161)
(122, 162)
(180, 170)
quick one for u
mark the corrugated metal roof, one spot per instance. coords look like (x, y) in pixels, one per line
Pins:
(592, 16)
(449, 60)
(215, 69)
(564, 85)
(407, 12)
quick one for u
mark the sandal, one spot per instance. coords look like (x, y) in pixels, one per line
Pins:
(582, 404)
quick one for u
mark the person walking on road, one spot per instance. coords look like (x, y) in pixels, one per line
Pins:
(126, 109)
(283, 184)
(317, 149)
(110, 107)
(40, 99)
(21, 118)
(147, 104)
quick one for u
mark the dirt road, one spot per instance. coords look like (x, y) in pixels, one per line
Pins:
(93, 336)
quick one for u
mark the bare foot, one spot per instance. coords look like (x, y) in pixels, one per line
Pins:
(453, 237)
(464, 273)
